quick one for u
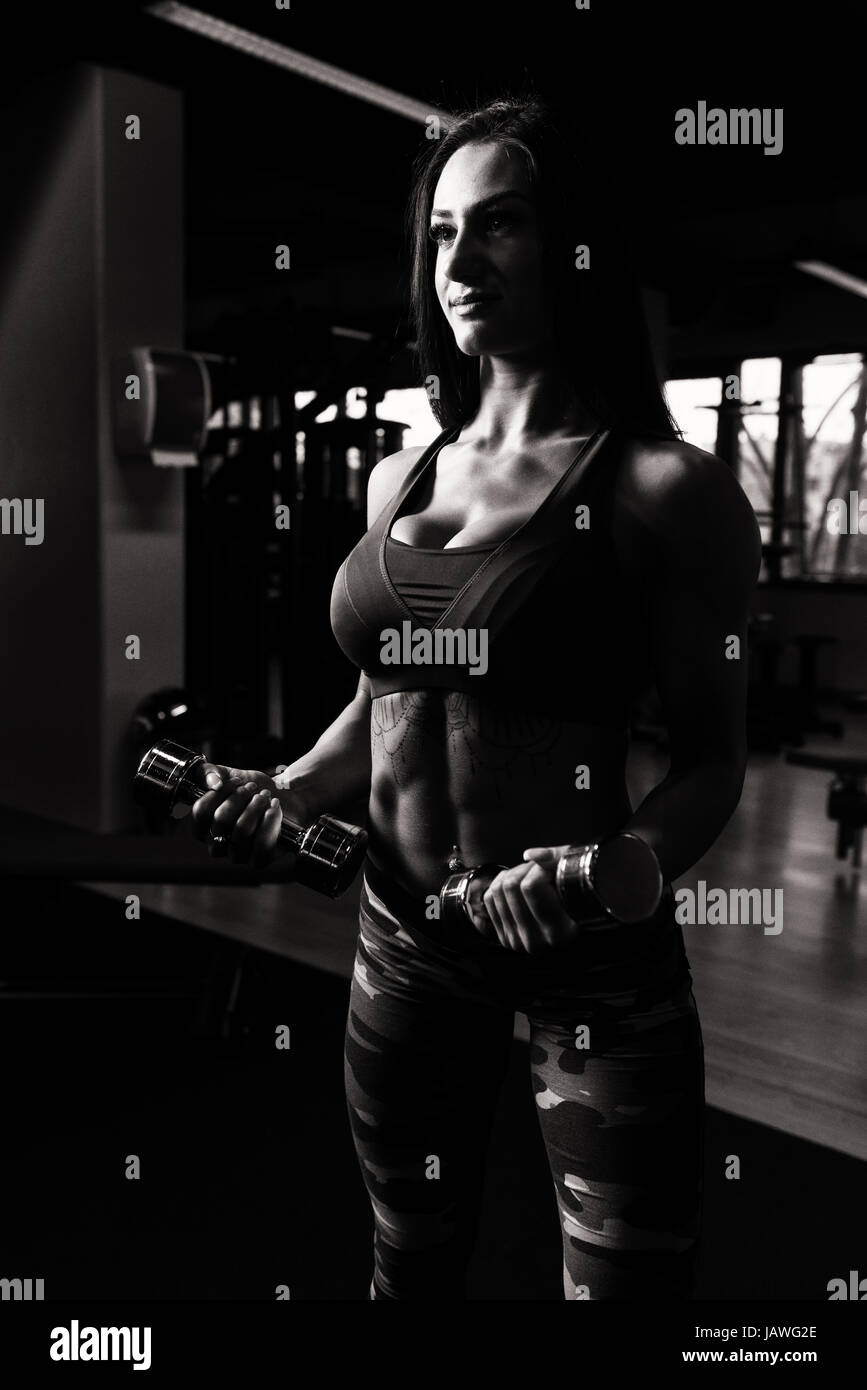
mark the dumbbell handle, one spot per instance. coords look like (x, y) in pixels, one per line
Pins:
(329, 851)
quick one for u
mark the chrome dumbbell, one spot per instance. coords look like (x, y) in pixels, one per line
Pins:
(329, 852)
(618, 878)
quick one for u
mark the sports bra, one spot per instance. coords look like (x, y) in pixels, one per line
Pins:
(541, 622)
(429, 580)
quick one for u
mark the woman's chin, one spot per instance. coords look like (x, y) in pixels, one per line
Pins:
(474, 344)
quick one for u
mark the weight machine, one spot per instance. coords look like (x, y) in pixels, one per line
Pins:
(278, 502)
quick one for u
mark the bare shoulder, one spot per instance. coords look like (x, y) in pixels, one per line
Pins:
(688, 503)
(386, 478)
(671, 488)
(665, 478)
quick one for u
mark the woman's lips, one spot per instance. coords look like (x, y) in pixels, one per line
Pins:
(474, 308)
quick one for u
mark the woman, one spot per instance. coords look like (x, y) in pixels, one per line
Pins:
(560, 524)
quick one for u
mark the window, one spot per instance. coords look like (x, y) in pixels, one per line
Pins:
(834, 403)
(695, 406)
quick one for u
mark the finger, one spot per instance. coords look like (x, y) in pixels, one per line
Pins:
(484, 925)
(205, 807)
(523, 924)
(247, 825)
(476, 911)
(216, 840)
(554, 925)
(215, 774)
(261, 780)
(230, 808)
(496, 920)
(495, 896)
(266, 840)
(482, 922)
(546, 854)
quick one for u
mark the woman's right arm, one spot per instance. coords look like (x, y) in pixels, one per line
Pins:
(333, 776)
(336, 770)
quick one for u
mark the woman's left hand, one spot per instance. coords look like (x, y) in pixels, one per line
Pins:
(522, 907)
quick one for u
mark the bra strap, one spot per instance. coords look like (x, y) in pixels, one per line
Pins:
(506, 579)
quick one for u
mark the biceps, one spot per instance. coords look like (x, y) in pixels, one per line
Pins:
(699, 661)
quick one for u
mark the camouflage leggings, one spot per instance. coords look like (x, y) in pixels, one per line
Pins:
(617, 1069)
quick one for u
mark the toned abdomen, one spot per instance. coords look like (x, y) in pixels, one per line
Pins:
(448, 769)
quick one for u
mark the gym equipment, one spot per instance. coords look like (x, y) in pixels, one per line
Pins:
(329, 852)
(167, 420)
(618, 879)
(171, 709)
(258, 581)
(847, 795)
(779, 714)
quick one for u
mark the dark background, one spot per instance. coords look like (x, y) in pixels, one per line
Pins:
(717, 227)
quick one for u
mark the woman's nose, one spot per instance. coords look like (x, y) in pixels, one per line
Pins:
(463, 258)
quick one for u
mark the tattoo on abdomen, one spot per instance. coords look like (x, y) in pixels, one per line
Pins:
(424, 729)
(407, 727)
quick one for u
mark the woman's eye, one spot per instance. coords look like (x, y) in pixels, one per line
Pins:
(440, 233)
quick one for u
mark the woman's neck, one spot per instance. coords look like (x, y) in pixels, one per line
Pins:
(522, 400)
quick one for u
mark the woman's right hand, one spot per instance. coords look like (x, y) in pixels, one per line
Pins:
(239, 806)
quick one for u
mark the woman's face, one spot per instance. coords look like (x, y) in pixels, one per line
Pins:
(484, 224)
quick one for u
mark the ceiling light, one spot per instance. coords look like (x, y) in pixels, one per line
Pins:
(289, 58)
(834, 276)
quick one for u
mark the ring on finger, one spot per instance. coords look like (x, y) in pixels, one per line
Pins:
(218, 844)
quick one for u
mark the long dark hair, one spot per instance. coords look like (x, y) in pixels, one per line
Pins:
(600, 330)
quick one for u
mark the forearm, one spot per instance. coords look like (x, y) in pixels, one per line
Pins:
(336, 770)
(685, 814)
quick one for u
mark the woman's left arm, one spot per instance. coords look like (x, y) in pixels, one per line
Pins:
(690, 550)
(686, 518)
